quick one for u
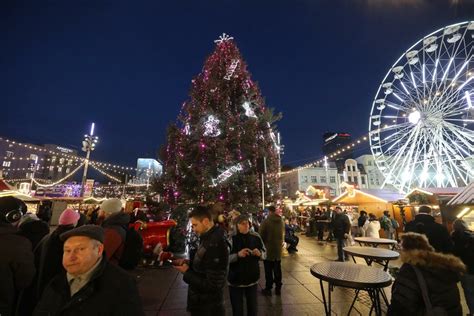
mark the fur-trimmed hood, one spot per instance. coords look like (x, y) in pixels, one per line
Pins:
(431, 260)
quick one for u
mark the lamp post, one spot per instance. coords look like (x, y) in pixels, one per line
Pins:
(35, 165)
(88, 145)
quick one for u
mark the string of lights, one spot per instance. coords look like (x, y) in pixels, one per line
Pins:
(334, 154)
(105, 173)
(74, 157)
(38, 168)
(60, 180)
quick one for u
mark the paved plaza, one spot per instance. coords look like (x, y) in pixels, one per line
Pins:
(164, 293)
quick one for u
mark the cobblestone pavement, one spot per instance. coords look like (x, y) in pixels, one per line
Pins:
(163, 291)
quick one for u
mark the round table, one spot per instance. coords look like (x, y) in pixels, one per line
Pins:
(352, 276)
(378, 255)
(375, 242)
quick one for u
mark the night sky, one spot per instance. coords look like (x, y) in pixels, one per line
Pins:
(128, 65)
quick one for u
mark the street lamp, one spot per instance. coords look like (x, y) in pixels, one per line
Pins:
(35, 165)
(88, 145)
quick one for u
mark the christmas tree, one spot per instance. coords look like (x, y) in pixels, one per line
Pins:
(223, 130)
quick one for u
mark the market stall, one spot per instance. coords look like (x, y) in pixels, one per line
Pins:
(462, 206)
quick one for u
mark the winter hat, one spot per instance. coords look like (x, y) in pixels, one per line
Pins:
(91, 231)
(415, 241)
(69, 217)
(113, 205)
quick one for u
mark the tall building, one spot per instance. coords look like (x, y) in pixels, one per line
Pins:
(23, 161)
(335, 142)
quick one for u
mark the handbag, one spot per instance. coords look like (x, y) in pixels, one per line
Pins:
(430, 309)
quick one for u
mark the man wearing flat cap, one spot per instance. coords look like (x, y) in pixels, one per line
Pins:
(90, 285)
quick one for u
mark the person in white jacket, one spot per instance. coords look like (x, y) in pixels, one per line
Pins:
(373, 227)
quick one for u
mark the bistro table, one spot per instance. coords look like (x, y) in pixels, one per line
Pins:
(369, 254)
(375, 242)
(358, 277)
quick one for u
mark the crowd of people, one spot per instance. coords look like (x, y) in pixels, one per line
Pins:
(73, 270)
(79, 268)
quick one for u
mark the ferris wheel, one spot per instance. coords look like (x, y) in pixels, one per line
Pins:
(421, 125)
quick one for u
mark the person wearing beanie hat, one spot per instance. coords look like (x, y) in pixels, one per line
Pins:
(90, 285)
(69, 217)
(115, 225)
(244, 272)
(16, 259)
(111, 206)
(437, 234)
(437, 271)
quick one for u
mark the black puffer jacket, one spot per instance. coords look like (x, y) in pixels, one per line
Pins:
(49, 257)
(207, 274)
(17, 267)
(437, 234)
(245, 271)
(111, 291)
(441, 273)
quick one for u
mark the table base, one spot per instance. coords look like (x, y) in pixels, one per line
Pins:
(374, 295)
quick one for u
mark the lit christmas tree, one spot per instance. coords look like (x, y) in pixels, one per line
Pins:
(223, 129)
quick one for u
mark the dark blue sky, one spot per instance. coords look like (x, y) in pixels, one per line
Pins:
(128, 65)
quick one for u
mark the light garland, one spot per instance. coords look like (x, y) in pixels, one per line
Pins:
(59, 181)
(76, 158)
(332, 155)
(105, 173)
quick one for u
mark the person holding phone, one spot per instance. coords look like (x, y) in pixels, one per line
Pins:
(244, 272)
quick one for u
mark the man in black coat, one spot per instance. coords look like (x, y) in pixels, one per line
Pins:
(206, 274)
(90, 285)
(342, 229)
(437, 234)
(17, 267)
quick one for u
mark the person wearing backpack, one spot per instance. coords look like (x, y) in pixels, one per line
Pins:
(427, 281)
(463, 240)
(115, 229)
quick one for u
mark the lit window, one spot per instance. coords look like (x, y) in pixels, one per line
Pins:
(10, 154)
(60, 169)
(61, 161)
(7, 163)
(68, 170)
(33, 157)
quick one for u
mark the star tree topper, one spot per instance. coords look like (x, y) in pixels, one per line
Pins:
(223, 38)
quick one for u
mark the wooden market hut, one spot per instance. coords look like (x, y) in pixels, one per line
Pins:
(436, 198)
(373, 201)
(462, 205)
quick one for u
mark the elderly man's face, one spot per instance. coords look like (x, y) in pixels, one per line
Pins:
(80, 254)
